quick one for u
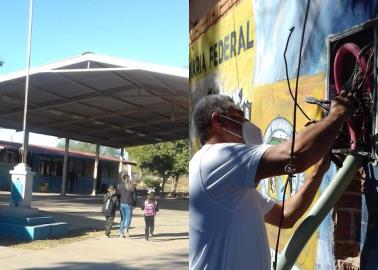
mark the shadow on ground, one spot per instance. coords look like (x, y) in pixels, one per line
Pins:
(71, 236)
(176, 261)
(161, 237)
(102, 266)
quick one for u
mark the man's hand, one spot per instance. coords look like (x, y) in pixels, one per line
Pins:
(342, 105)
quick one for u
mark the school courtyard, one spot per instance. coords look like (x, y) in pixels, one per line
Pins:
(86, 246)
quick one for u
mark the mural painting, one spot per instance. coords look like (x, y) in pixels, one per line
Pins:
(241, 55)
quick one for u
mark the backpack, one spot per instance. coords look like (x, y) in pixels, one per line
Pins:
(150, 208)
(109, 207)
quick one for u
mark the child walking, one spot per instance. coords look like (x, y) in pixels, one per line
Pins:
(109, 208)
(150, 208)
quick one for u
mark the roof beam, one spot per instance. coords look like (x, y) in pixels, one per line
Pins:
(152, 88)
(103, 116)
(163, 138)
(177, 119)
(91, 88)
(75, 99)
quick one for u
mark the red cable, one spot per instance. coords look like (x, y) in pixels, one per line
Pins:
(353, 49)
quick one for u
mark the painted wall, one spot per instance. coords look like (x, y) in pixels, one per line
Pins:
(241, 55)
(48, 183)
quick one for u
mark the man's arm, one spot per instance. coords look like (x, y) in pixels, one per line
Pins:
(297, 205)
(311, 144)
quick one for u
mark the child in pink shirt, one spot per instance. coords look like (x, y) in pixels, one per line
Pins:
(150, 208)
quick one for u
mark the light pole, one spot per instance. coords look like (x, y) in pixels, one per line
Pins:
(21, 175)
(25, 142)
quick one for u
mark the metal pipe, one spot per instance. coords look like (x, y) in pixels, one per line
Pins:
(95, 170)
(121, 160)
(327, 200)
(65, 166)
(25, 139)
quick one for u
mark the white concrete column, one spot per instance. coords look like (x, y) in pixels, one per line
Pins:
(121, 160)
(22, 186)
(95, 170)
(65, 165)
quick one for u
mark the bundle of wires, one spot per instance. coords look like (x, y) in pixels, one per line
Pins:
(359, 85)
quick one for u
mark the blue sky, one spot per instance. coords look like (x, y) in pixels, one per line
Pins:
(154, 31)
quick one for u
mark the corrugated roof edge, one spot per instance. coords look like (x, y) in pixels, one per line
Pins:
(121, 62)
(60, 151)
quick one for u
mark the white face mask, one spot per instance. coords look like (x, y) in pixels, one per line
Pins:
(251, 133)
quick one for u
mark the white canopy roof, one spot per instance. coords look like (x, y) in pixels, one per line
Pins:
(98, 99)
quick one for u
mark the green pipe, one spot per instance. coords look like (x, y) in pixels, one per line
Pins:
(327, 200)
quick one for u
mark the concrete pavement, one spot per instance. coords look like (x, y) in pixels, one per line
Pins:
(167, 250)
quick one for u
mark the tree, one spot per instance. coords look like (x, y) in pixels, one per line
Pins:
(90, 148)
(181, 164)
(163, 159)
(160, 164)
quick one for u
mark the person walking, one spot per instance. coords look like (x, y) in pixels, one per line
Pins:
(109, 208)
(127, 196)
(150, 208)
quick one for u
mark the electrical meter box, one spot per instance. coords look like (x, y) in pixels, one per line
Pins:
(352, 67)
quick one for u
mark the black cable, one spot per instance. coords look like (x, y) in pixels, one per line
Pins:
(290, 168)
(281, 220)
(287, 74)
(296, 83)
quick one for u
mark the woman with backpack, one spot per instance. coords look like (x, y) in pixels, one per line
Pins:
(127, 196)
(109, 208)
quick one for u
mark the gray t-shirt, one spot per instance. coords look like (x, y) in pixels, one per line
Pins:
(226, 212)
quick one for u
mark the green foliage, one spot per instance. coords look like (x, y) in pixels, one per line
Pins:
(181, 164)
(151, 183)
(159, 164)
(169, 159)
(90, 148)
(110, 151)
(79, 146)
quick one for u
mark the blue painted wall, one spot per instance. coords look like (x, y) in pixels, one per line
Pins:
(83, 186)
(326, 17)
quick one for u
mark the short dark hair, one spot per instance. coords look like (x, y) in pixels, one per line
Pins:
(201, 115)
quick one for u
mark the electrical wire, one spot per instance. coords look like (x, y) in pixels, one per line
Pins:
(290, 168)
(348, 85)
(296, 83)
(287, 74)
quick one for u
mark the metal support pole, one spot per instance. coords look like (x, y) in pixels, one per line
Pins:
(121, 160)
(65, 165)
(310, 223)
(24, 149)
(95, 170)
